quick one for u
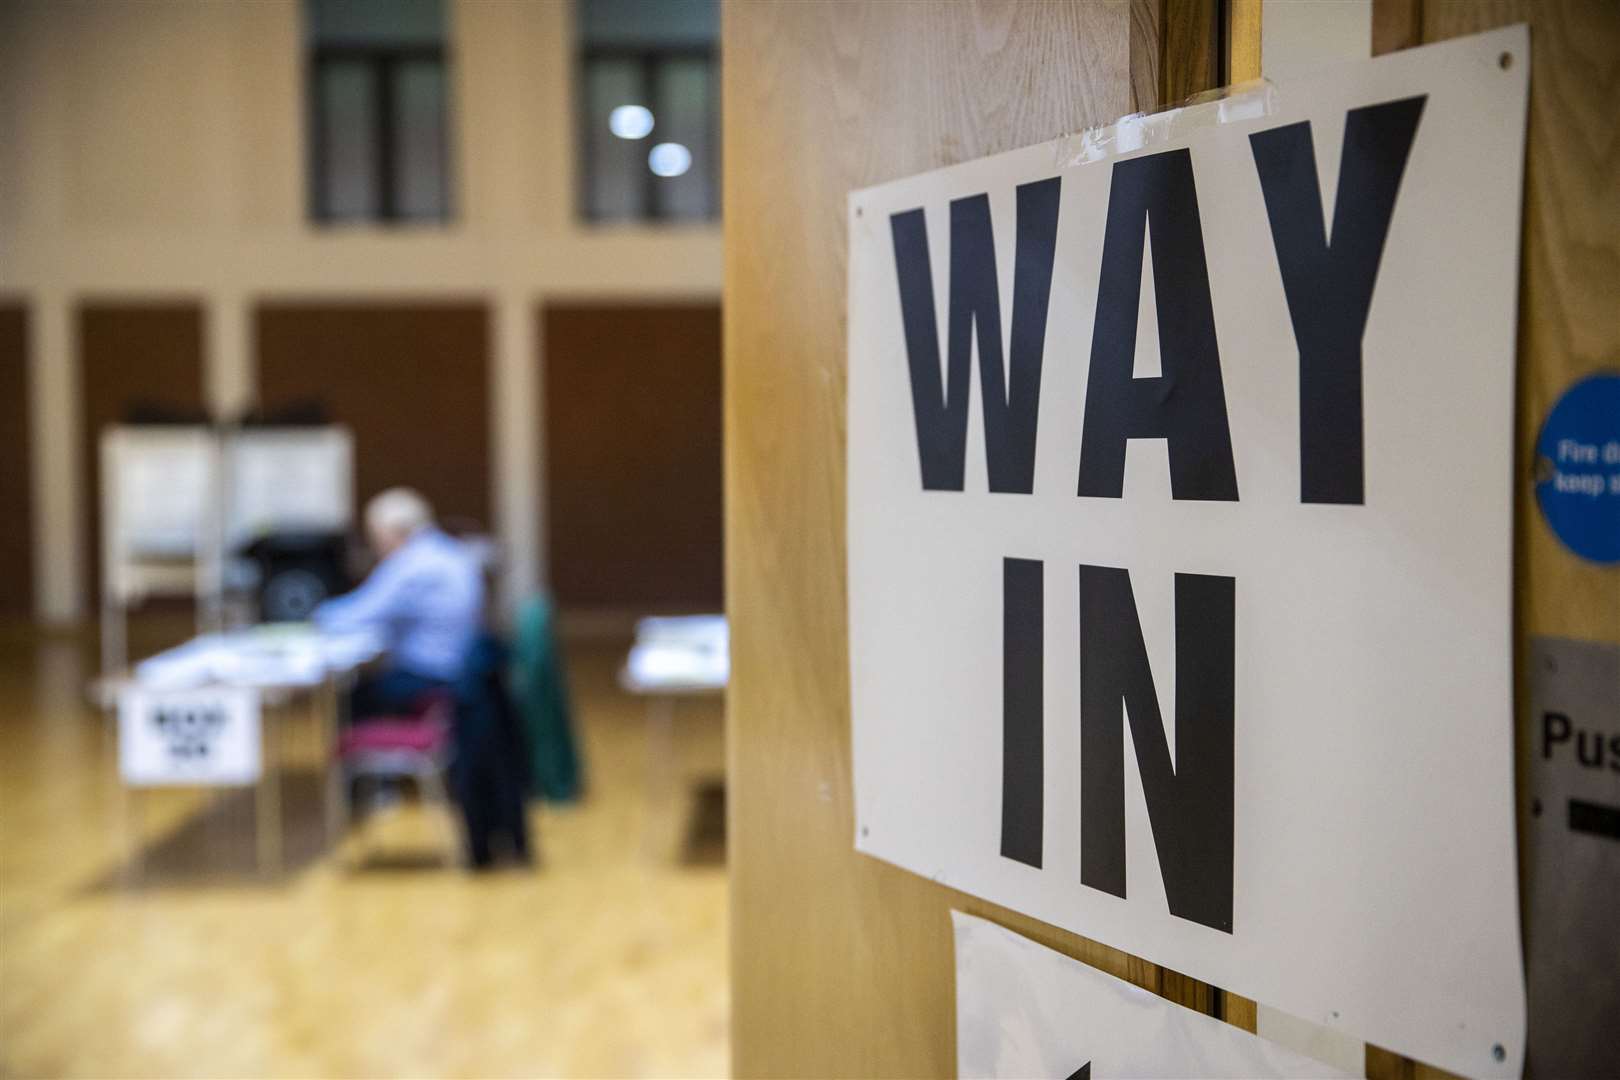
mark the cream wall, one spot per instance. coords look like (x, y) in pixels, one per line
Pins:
(156, 149)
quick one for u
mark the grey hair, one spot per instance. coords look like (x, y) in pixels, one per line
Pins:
(398, 512)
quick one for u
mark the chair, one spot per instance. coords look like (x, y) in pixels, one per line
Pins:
(415, 746)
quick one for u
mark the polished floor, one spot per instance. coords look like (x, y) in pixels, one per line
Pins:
(609, 959)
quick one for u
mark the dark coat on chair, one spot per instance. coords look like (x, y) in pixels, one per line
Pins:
(489, 773)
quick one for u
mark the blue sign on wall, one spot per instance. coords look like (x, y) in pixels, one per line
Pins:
(1578, 468)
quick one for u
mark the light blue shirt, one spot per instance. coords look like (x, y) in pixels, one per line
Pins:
(425, 600)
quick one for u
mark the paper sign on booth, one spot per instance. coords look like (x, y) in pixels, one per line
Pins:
(1023, 1010)
(1180, 518)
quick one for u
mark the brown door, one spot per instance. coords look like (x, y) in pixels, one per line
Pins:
(410, 379)
(137, 359)
(632, 454)
(16, 476)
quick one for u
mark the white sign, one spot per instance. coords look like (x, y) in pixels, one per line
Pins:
(1180, 519)
(289, 478)
(183, 737)
(159, 481)
(1024, 1011)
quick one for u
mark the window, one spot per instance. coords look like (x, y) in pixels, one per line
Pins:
(378, 130)
(649, 110)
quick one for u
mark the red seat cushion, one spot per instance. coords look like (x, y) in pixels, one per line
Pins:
(425, 733)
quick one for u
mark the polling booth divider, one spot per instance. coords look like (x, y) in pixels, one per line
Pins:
(181, 505)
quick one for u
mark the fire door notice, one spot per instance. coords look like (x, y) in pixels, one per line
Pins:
(1180, 518)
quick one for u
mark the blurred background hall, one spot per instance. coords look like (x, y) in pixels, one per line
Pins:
(464, 613)
(260, 262)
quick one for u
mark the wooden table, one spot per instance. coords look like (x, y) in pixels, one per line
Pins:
(673, 657)
(280, 665)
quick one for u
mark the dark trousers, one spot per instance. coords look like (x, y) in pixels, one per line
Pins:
(393, 692)
(490, 773)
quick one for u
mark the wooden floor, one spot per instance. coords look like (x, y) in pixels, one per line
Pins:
(608, 960)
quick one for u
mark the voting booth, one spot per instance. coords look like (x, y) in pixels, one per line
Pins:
(162, 526)
(288, 519)
(181, 504)
(181, 508)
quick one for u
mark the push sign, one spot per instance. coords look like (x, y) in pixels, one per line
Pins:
(192, 737)
(1572, 856)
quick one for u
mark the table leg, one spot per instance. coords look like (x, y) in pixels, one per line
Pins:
(660, 767)
(129, 834)
(267, 811)
(329, 701)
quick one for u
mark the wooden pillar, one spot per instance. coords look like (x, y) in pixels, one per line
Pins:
(842, 965)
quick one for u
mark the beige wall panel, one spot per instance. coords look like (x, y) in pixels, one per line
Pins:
(265, 97)
(123, 104)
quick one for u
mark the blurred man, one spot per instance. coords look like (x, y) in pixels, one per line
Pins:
(425, 599)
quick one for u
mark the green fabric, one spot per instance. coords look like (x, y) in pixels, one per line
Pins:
(540, 685)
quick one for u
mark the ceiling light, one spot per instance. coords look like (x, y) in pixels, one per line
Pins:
(630, 121)
(669, 159)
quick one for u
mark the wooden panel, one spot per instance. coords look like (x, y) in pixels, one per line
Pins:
(411, 379)
(1242, 40)
(1189, 49)
(842, 965)
(133, 355)
(16, 477)
(632, 427)
(1569, 318)
(1175, 50)
(1396, 25)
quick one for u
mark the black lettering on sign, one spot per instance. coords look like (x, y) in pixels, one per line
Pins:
(1595, 818)
(1558, 729)
(189, 731)
(1589, 748)
(1329, 278)
(1186, 404)
(1023, 768)
(1011, 393)
(1554, 729)
(1190, 799)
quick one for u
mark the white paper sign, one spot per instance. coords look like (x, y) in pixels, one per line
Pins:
(162, 479)
(204, 737)
(1180, 519)
(289, 478)
(1025, 1011)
